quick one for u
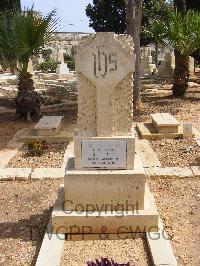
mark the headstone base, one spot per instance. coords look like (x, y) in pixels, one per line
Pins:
(105, 222)
(105, 189)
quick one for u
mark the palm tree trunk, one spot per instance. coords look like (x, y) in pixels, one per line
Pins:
(27, 101)
(180, 83)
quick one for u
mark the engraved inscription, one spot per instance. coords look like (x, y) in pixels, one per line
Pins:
(105, 154)
(104, 63)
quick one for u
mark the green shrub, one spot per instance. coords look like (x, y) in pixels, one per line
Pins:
(36, 148)
(71, 65)
(49, 66)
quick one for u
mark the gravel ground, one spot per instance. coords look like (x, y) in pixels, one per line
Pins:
(181, 152)
(25, 208)
(52, 158)
(178, 203)
(77, 253)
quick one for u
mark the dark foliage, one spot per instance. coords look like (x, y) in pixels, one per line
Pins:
(106, 262)
(109, 15)
(9, 4)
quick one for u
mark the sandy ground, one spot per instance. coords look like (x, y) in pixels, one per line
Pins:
(178, 203)
(25, 208)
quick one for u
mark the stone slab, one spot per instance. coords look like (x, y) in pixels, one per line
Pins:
(165, 123)
(20, 174)
(52, 248)
(147, 155)
(160, 247)
(65, 135)
(164, 119)
(165, 172)
(142, 221)
(196, 171)
(47, 173)
(6, 155)
(105, 189)
(147, 131)
(130, 140)
(48, 126)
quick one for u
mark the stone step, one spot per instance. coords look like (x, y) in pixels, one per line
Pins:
(105, 222)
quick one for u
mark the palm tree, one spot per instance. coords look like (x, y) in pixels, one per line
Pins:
(182, 33)
(22, 35)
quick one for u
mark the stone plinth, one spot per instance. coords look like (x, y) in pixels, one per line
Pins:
(165, 123)
(129, 142)
(145, 220)
(48, 126)
(105, 189)
(62, 69)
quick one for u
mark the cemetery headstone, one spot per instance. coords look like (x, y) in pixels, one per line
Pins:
(106, 169)
(62, 68)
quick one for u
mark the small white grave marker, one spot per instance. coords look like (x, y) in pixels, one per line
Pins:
(104, 154)
(187, 130)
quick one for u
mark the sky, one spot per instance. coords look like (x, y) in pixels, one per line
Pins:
(71, 13)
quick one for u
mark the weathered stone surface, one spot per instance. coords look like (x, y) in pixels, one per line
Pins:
(100, 188)
(20, 174)
(104, 65)
(48, 126)
(196, 171)
(178, 172)
(160, 247)
(187, 130)
(142, 221)
(47, 173)
(147, 131)
(147, 155)
(6, 154)
(165, 123)
(65, 135)
(52, 248)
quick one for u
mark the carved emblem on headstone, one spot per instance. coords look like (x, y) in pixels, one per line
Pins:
(104, 62)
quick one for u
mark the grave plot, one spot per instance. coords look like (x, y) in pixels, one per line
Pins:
(178, 153)
(41, 154)
(134, 251)
(51, 156)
